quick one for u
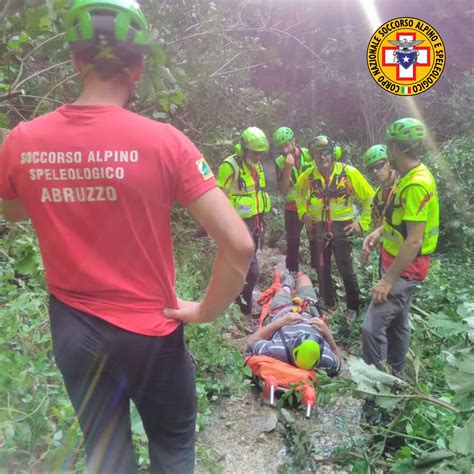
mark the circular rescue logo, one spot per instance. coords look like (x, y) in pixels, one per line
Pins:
(406, 56)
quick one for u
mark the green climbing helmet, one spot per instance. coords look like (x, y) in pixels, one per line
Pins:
(107, 24)
(375, 153)
(254, 139)
(323, 142)
(306, 352)
(406, 130)
(282, 135)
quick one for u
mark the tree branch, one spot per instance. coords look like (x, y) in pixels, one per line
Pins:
(43, 70)
(241, 30)
(227, 63)
(22, 60)
(5, 9)
(52, 38)
(11, 95)
(223, 73)
(51, 91)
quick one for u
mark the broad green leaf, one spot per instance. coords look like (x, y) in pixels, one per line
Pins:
(433, 457)
(445, 325)
(371, 381)
(28, 264)
(158, 55)
(463, 438)
(4, 120)
(466, 310)
(362, 467)
(369, 378)
(462, 359)
(470, 323)
(136, 421)
(459, 372)
(179, 98)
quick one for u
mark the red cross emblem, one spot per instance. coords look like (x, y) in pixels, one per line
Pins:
(405, 74)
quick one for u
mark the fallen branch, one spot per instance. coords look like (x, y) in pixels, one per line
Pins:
(418, 310)
(11, 95)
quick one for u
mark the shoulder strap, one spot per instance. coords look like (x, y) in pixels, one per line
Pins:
(285, 344)
(237, 165)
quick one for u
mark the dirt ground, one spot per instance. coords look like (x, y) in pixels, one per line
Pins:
(248, 436)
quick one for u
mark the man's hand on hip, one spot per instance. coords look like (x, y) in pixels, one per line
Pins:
(381, 291)
(187, 312)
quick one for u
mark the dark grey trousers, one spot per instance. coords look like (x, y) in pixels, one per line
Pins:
(244, 300)
(386, 332)
(104, 368)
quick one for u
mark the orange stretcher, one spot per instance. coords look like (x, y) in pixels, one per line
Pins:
(273, 375)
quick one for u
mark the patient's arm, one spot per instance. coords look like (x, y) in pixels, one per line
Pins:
(266, 332)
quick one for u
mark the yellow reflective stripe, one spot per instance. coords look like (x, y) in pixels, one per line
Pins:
(337, 206)
(345, 216)
(434, 231)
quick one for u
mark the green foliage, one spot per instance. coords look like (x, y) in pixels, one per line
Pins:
(417, 417)
(37, 421)
(453, 168)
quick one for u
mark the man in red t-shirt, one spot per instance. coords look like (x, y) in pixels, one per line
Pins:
(98, 183)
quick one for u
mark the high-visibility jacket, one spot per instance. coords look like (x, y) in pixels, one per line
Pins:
(382, 195)
(245, 186)
(303, 163)
(314, 195)
(415, 199)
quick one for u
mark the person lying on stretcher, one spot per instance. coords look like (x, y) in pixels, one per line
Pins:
(294, 331)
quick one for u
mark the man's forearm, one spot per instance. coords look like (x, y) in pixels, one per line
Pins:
(284, 183)
(265, 332)
(13, 210)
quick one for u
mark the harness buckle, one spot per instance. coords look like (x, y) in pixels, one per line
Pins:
(328, 236)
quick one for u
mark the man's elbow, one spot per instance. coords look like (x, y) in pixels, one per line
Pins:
(13, 211)
(415, 243)
(241, 247)
(251, 339)
(246, 247)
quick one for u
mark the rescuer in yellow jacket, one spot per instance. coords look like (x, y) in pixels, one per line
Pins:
(377, 163)
(242, 178)
(289, 164)
(409, 234)
(325, 203)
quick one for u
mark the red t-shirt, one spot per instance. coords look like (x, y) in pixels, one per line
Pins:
(417, 270)
(98, 183)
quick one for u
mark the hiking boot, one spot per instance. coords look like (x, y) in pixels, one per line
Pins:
(351, 315)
